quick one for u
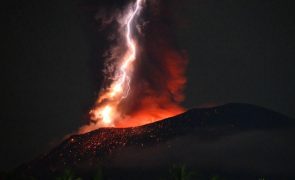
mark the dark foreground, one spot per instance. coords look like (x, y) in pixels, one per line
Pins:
(233, 141)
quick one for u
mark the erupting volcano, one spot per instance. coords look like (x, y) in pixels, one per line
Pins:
(123, 63)
(134, 95)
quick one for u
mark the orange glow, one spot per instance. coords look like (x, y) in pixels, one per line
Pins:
(105, 112)
(126, 102)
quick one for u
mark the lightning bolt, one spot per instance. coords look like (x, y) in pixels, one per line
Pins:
(106, 111)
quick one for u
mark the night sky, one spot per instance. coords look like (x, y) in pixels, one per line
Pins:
(239, 51)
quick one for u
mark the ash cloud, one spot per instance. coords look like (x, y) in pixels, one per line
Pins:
(158, 73)
(159, 77)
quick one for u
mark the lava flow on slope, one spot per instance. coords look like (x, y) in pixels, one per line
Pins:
(242, 131)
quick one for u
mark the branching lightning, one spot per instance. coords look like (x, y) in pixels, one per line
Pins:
(106, 110)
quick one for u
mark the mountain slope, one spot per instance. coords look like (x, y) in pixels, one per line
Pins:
(233, 138)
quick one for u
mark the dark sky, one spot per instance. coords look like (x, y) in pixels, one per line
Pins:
(239, 51)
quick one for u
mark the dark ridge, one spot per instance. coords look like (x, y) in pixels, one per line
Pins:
(206, 125)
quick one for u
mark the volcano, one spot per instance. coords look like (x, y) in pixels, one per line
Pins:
(237, 140)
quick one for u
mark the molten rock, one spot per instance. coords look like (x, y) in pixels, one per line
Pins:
(230, 139)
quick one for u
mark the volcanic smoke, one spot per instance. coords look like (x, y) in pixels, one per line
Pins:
(144, 81)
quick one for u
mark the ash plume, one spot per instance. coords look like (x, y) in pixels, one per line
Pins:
(157, 76)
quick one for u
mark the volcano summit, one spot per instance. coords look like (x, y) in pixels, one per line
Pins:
(238, 140)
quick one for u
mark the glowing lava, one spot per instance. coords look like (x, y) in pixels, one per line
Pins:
(106, 112)
(135, 94)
